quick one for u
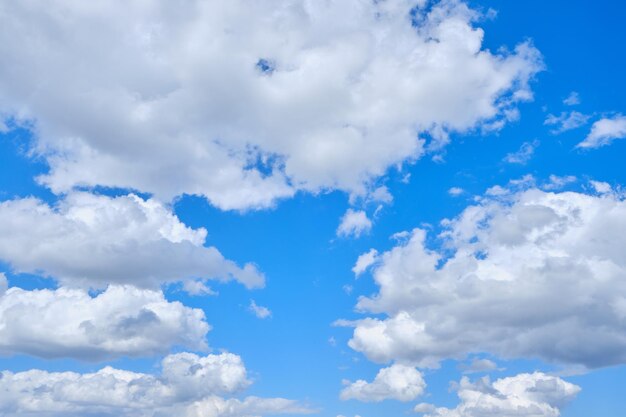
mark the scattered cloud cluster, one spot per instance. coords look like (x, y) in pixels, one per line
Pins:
(246, 103)
(524, 273)
(398, 382)
(566, 121)
(523, 395)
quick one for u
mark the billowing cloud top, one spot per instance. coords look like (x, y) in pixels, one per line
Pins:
(531, 274)
(247, 102)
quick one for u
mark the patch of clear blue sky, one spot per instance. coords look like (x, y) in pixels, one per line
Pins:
(307, 266)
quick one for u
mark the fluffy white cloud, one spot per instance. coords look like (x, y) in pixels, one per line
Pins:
(523, 395)
(188, 386)
(245, 103)
(604, 132)
(90, 241)
(120, 321)
(566, 121)
(397, 382)
(521, 274)
(364, 261)
(354, 223)
(523, 154)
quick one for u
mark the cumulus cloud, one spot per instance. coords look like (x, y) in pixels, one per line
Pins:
(523, 154)
(121, 321)
(354, 223)
(397, 382)
(364, 261)
(90, 241)
(604, 132)
(566, 121)
(246, 103)
(188, 386)
(523, 273)
(523, 395)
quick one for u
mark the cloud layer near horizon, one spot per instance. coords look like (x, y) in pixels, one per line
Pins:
(188, 386)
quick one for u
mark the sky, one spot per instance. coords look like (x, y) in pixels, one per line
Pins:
(341, 208)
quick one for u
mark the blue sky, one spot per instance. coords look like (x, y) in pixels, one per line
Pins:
(168, 210)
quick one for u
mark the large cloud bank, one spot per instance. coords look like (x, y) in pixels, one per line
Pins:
(521, 274)
(247, 102)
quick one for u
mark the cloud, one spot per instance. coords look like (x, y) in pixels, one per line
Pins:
(604, 132)
(121, 321)
(523, 395)
(572, 100)
(90, 241)
(479, 365)
(558, 182)
(354, 223)
(455, 191)
(566, 121)
(521, 274)
(188, 386)
(244, 103)
(524, 154)
(398, 382)
(364, 261)
(259, 311)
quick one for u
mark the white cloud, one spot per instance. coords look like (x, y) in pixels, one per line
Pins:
(530, 275)
(456, 191)
(558, 182)
(397, 382)
(566, 121)
(572, 100)
(170, 98)
(479, 365)
(604, 132)
(91, 241)
(381, 195)
(259, 311)
(121, 321)
(354, 223)
(188, 386)
(601, 187)
(523, 395)
(524, 154)
(364, 261)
